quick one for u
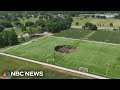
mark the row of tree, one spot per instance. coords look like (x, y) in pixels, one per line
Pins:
(54, 23)
(8, 38)
(31, 30)
(47, 22)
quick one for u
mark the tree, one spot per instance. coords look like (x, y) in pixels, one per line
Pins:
(35, 15)
(12, 38)
(90, 26)
(24, 29)
(37, 29)
(40, 23)
(117, 16)
(29, 24)
(20, 15)
(8, 17)
(31, 31)
(1, 41)
(9, 37)
(54, 23)
(77, 23)
(119, 28)
(14, 19)
(7, 24)
(93, 16)
(1, 28)
(111, 24)
(87, 25)
(18, 24)
(94, 27)
(50, 26)
(5, 35)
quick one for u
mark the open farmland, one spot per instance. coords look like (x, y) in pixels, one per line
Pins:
(101, 59)
(12, 64)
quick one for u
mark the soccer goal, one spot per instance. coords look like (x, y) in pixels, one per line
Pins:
(50, 60)
(83, 69)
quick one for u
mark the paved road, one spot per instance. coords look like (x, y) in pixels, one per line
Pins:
(54, 66)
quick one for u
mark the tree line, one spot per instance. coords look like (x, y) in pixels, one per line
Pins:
(49, 22)
(8, 38)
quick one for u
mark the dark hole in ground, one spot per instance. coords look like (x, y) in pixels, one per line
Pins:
(65, 49)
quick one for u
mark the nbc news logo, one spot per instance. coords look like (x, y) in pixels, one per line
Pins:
(23, 73)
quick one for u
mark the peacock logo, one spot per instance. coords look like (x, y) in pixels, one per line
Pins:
(6, 74)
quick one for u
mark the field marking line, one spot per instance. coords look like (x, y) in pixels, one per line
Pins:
(18, 68)
(69, 62)
(87, 36)
(86, 40)
(54, 66)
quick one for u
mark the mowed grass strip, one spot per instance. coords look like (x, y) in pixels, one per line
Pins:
(12, 64)
(100, 59)
(74, 33)
(106, 36)
(100, 35)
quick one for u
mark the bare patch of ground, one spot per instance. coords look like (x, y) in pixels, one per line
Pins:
(65, 49)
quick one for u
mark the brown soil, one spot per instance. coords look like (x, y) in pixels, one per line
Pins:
(65, 49)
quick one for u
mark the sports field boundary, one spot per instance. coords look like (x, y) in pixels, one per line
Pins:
(85, 40)
(90, 34)
(54, 66)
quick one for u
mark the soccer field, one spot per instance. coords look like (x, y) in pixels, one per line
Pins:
(12, 64)
(100, 59)
(100, 35)
(106, 36)
(74, 33)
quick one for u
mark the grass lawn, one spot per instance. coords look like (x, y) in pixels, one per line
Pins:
(96, 21)
(12, 64)
(74, 33)
(106, 36)
(100, 35)
(100, 59)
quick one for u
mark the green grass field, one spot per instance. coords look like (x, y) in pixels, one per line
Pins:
(101, 59)
(74, 33)
(12, 64)
(100, 35)
(106, 36)
(96, 21)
